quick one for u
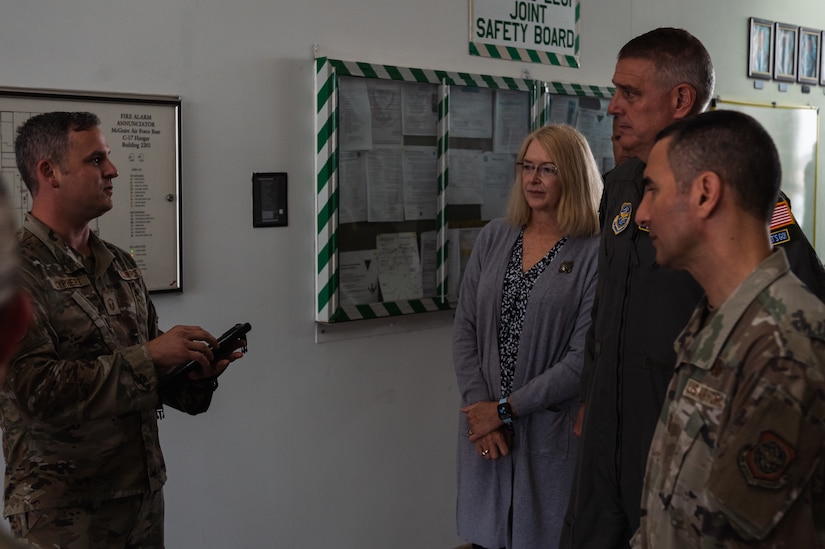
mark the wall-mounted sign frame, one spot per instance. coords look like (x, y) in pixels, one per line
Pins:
(269, 199)
(786, 38)
(143, 133)
(760, 48)
(536, 32)
(410, 164)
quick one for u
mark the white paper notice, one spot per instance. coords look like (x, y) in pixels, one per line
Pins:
(355, 124)
(385, 103)
(352, 187)
(471, 112)
(563, 109)
(385, 199)
(592, 125)
(358, 273)
(466, 183)
(512, 120)
(419, 108)
(399, 267)
(597, 128)
(499, 175)
(420, 175)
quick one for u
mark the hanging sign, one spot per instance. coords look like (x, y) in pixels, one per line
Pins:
(538, 31)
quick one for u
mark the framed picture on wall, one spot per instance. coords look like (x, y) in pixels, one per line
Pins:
(809, 54)
(821, 60)
(760, 48)
(784, 52)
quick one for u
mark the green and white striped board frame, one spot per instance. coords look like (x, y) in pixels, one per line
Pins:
(327, 72)
(522, 54)
(565, 88)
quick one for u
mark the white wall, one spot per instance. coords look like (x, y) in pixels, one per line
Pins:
(348, 443)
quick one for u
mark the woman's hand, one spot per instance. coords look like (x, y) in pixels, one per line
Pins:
(482, 418)
(492, 446)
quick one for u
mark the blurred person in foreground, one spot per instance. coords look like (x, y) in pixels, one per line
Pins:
(518, 346)
(89, 380)
(738, 456)
(15, 308)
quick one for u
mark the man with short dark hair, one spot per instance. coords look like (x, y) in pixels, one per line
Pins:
(737, 457)
(83, 461)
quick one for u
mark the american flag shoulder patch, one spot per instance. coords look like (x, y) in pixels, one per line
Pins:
(782, 215)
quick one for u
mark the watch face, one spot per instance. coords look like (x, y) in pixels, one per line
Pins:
(503, 410)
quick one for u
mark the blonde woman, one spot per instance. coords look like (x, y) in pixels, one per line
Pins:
(524, 308)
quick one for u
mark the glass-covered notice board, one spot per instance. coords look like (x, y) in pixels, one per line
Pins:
(410, 164)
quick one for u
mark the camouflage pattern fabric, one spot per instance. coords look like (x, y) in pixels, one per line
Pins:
(134, 522)
(737, 458)
(78, 410)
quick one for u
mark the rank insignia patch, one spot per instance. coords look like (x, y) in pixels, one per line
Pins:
(622, 220)
(766, 463)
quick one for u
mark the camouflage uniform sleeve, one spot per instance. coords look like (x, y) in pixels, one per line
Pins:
(772, 448)
(94, 383)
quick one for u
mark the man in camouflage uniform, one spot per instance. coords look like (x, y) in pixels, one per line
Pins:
(737, 456)
(83, 461)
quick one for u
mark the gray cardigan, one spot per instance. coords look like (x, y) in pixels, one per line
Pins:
(535, 477)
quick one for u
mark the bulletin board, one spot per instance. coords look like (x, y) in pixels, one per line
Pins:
(410, 165)
(143, 133)
(795, 132)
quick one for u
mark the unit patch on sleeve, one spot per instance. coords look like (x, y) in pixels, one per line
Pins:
(622, 220)
(765, 463)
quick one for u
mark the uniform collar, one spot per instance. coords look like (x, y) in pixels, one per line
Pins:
(701, 342)
(71, 259)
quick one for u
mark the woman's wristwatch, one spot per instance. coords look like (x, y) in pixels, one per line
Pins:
(505, 412)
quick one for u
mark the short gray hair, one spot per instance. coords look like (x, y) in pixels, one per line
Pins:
(679, 57)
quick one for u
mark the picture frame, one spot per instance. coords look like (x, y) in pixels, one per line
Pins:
(821, 60)
(144, 132)
(809, 56)
(784, 52)
(760, 48)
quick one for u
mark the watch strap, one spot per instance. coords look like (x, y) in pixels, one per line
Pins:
(504, 411)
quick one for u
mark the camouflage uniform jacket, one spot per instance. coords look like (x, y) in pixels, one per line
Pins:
(78, 410)
(737, 458)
